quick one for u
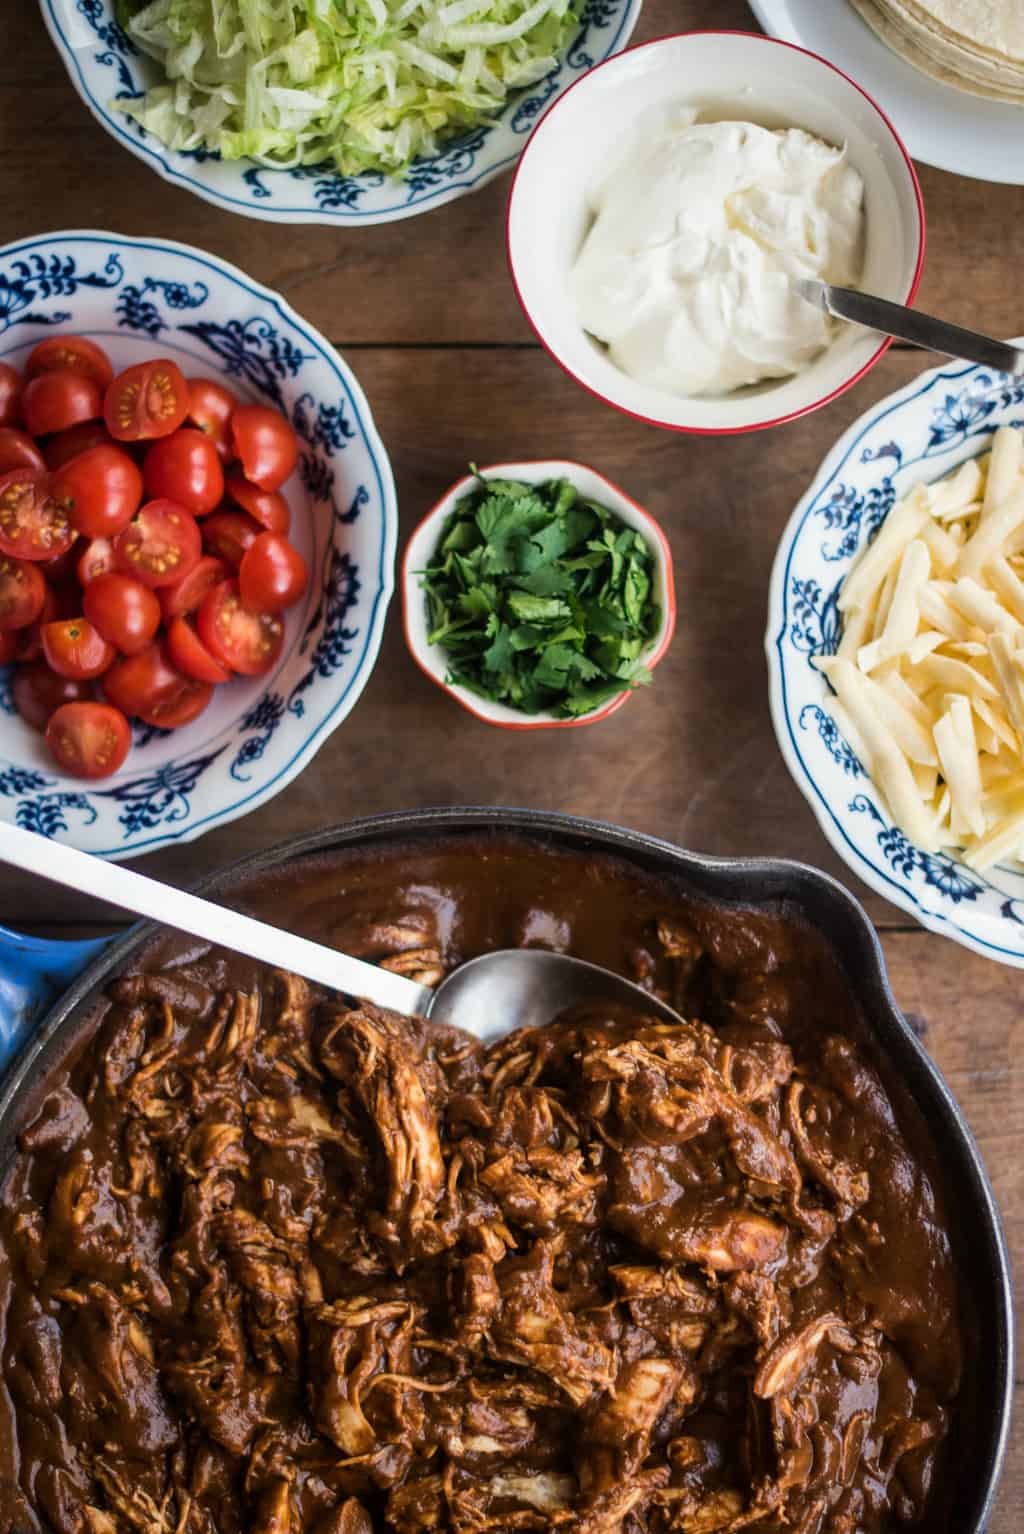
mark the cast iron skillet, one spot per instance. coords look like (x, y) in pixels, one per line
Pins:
(806, 892)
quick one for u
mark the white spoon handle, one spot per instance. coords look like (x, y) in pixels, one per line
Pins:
(214, 923)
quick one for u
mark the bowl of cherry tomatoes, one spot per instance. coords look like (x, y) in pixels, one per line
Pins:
(197, 540)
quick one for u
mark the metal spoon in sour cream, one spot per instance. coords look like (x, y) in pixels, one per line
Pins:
(699, 228)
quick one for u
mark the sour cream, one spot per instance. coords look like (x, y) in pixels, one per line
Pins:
(685, 274)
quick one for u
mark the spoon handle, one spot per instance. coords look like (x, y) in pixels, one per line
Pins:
(910, 325)
(216, 924)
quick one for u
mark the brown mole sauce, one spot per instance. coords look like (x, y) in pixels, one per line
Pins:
(270, 1262)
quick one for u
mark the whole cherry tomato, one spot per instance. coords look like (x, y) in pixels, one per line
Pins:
(74, 647)
(89, 740)
(77, 439)
(210, 408)
(244, 641)
(33, 524)
(184, 467)
(18, 451)
(22, 593)
(30, 639)
(74, 354)
(266, 444)
(187, 651)
(122, 610)
(267, 507)
(8, 646)
(56, 401)
(227, 534)
(100, 489)
(38, 692)
(161, 545)
(187, 594)
(149, 687)
(272, 575)
(147, 400)
(10, 396)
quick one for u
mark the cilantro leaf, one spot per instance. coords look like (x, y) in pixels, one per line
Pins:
(542, 600)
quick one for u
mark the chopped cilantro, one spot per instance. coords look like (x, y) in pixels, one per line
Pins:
(541, 599)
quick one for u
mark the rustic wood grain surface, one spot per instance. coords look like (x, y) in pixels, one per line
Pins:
(425, 314)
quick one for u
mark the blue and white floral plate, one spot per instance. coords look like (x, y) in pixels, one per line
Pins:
(918, 434)
(105, 65)
(146, 298)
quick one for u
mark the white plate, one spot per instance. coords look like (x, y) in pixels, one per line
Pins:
(142, 298)
(104, 64)
(938, 123)
(920, 433)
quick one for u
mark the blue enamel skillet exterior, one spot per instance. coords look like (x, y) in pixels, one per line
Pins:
(37, 1018)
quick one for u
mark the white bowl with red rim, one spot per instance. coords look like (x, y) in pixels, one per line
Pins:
(432, 659)
(726, 75)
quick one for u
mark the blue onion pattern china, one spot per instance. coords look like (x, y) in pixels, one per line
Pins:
(920, 433)
(143, 298)
(104, 64)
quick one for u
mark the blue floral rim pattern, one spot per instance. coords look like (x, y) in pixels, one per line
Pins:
(921, 433)
(108, 66)
(137, 296)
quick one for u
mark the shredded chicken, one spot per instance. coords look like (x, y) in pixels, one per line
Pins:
(284, 1266)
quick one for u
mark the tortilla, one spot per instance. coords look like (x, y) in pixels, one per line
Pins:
(974, 45)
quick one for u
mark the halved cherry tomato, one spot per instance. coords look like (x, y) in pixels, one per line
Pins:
(22, 593)
(97, 558)
(123, 610)
(38, 692)
(89, 740)
(8, 646)
(147, 400)
(228, 534)
(161, 545)
(56, 401)
(10, 395)
(74, 647)
(77, 354)
(272, 575)
(148, 686)
(269, 508)
(210, 408)
(18, 451)
(247, 642)
(33, 524)
(77, 439)
(184, 467)
(190, 655)
(100, 489)
(186, 595)
(266, 444)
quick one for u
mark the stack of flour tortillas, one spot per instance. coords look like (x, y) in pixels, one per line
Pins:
(977, 45)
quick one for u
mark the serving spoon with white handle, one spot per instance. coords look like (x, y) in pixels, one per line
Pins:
(910, 325)
(487, 996)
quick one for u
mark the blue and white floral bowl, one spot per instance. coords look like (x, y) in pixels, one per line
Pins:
(105, 65)
(918, 434)
(146, 298)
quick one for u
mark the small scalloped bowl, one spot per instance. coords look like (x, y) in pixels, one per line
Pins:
(143, 298)
(431, 659)
(921, 433)
(737, 75)
(104, 64)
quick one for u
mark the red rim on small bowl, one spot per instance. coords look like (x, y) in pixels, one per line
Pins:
(792, 415)
(663, 556)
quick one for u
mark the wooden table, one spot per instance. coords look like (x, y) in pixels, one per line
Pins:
(424, 312)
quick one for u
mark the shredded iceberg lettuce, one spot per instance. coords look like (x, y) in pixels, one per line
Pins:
(366, 84)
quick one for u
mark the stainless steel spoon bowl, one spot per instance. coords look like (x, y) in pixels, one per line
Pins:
(489, 996)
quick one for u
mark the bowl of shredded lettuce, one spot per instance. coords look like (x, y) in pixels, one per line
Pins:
(330, 111)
